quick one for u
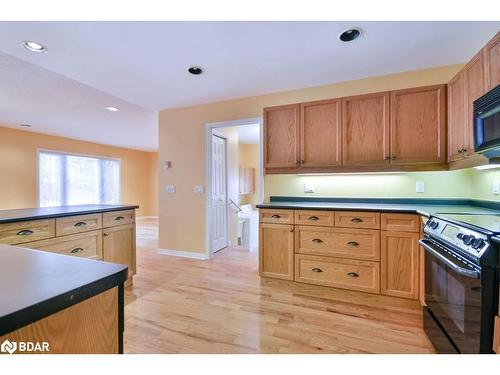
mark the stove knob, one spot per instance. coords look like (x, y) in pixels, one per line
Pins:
(468, 239)
(478, 243)
(434, 224)
(460, 236)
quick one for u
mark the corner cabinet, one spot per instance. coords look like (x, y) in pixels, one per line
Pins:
(418, 125)
(276, 251)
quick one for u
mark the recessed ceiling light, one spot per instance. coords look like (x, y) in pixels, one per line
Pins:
(112, 109)
(25, 125)
(34, 47)
(195, 70)
(350, 34)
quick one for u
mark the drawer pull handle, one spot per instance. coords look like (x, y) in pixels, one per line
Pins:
(314, 218)
(317, 270)
(276, 216)
(317, 240)
(119, 218)
(357, 220)
(352, 274)
(24, 232)
(353, 243)
(76, 250)
(80, 224)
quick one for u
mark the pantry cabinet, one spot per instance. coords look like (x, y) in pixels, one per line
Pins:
(276, 251)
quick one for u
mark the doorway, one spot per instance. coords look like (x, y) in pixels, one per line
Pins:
(234, 181)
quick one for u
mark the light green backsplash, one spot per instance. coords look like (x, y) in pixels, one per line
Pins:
(482, 184)
(444, 184)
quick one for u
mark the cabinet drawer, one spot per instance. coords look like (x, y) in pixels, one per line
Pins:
(400, 222)
(338, 242)
(26, 231)
(276, 216)
(85, 245)
(77, 224)
(318, 218)
(114, 218)
(365, 220)
(340, 273)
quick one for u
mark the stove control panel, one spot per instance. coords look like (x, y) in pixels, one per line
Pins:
(469, 241)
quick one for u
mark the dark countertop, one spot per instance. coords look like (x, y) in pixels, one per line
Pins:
(425, 207)
(8, 216)
(35, 284)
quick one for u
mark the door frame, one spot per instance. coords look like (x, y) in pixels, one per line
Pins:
(209, 130)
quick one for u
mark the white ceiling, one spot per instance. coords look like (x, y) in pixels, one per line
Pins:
(249, 134)
(144, 64)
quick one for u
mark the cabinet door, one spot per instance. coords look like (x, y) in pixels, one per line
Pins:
(276, 251)
(119, 246)
(281, 136)
(365, 129)
(475, 88)
(320, 133)
(491, 55)
(418, 125)
(399, 264)
(457, 117)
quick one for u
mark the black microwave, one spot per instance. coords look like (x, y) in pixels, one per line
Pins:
(487, 124)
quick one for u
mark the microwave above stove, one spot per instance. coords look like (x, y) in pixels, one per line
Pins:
(487, 124)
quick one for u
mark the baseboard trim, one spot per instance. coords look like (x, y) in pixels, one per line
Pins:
(183, 254)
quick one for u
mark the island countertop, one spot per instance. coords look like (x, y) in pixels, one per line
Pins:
(23, 214)
(35, 284)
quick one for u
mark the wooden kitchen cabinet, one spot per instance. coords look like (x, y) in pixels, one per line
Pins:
(491, 55)
(457, 117)
(418, 125)
(320, 133)
(276, 252)
(365, 134)
(399, 255)
(281, 136)
(119, 246)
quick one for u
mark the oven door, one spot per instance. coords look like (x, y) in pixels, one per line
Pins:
(453, 297)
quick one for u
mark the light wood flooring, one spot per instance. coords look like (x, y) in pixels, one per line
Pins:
(181, 305)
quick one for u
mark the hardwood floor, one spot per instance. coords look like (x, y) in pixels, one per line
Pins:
(181, 305)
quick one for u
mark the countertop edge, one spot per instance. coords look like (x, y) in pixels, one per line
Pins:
(380, 209)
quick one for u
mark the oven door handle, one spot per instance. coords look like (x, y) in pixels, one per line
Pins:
(449, 263)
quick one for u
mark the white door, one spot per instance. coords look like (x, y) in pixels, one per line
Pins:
(219, 194)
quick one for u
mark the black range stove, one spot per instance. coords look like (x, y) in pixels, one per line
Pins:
(461, 281)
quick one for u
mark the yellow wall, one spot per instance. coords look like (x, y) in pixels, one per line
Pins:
(482, 184)
(250, 157)
(18, 169)
(182, 140)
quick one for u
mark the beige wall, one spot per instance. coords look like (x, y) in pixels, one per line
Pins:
(182, 140)
(249, 157)
(18, 168)
(482, 184)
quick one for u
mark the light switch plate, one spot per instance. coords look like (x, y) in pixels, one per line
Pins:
(496, 187)
(420, 186)
(199, 189)
(308, 187)
(170, 189)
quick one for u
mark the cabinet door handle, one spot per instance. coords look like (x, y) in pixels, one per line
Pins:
(76, 250)
(80, 224)
(357, 220)
(353, 243)
(316, 270)
(317, 240)
(105, 234)
(119, 218)
(313, 218)
(276, 216)
(24, 232)
(352, 274)
(291, 230)
(387, 158)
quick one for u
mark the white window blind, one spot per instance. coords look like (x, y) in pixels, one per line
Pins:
(65, 179)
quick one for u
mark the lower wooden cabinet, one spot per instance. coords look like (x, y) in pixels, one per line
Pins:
(276, 250)
(119, 246)
(399, 256)
(496, 335)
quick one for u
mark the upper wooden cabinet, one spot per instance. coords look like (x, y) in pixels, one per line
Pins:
(418, 125)
(457, 117)
(475, 87)
(320, 133)
(491, 55)
(281, 128)
(365, 124)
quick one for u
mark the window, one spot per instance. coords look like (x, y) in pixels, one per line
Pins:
(65, 179)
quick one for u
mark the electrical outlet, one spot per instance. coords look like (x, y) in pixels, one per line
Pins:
(308, 187)
(496, 187)
(420, 187)
(170, 189)
(199, 189)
